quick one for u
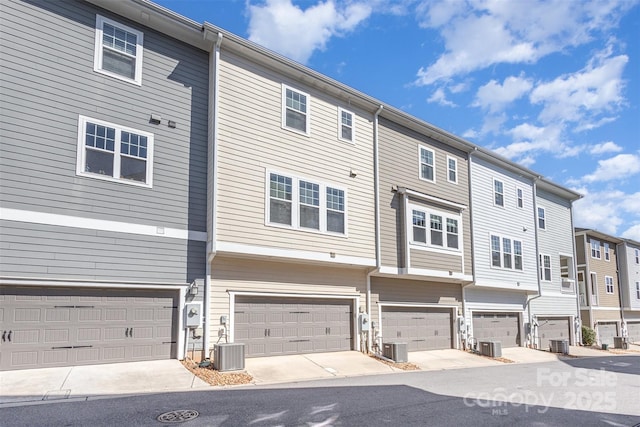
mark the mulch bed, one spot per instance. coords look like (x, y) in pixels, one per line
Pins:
(499, 359)
(406, 366)
(217, 378)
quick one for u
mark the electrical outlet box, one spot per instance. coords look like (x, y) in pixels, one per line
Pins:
(365, 324)
(193, 314)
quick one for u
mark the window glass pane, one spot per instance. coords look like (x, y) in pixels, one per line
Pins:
(335, 210)
(453, 167)
(99, 162)
(346, 118)
(309, 205)
(134, 169)
(495, 251)
(309, 217)
(427, 172)
(498, 193)
(309, 193)
(296, 120)
(506, 253)
(436, 230)
(280, 211)
(452, 233)
(419, 228)
(335, 199)
(426, 164)
(347, 133)
(117, 38)
(119, 63)
(517, 254)
(280, 187)
(335, 222)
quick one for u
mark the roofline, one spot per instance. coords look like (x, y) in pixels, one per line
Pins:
(596, 233)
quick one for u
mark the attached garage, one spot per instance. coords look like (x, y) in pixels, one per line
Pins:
(606, 332)
(633, 328)
(422, 328)
(503, 327)
(48, 327)
(553, 328)
(271, 326)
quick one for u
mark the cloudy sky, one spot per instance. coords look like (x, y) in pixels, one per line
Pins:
(553, 85)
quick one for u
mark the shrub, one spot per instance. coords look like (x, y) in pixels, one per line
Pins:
(588, 336)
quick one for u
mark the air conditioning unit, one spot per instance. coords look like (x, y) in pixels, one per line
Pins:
(621, 342)
(567, 284)
(228, 357)
(491, 348)
(396, 351)
(559, 346)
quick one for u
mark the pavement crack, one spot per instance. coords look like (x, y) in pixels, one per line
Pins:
(329, 370)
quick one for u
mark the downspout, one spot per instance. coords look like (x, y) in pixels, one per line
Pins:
(212, 167)
(376, 189)
(623, 323)
(587, 258)
(578, 321)
(534, 327)
(473, 261)
(404, 203)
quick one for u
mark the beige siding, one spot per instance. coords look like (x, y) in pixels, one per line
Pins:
(245, 275)
(605, 268)
(252, 141)
(605, 315)
(399, 166)
(435, 261)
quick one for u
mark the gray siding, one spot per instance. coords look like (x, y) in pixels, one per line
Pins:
(629, 274)
(399, 166)
(34, 250)
(47, 81)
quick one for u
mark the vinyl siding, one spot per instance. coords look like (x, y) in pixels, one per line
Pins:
(399, 166)
(606, 315)
(232, 274)
(629, 274)
(508, 221)
(47, 81)
(580, 250)
(35, 250)
(252, 141)
(605, 268)
(493, 300)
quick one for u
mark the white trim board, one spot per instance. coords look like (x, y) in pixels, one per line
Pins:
(59, 220)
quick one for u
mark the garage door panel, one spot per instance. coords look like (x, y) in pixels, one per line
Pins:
(420, 327)
(503, 327)
(633, 329)
(551, 329)
(606, 332)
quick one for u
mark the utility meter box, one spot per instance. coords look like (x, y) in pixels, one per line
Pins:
(365, 324)
(193, 314)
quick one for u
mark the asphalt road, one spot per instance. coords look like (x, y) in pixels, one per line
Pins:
(601, 391)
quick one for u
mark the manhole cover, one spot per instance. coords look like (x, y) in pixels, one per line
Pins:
(179, 416)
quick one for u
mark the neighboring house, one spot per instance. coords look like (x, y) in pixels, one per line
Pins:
(425, 235)
(555, 310)
(629, 267)
(599, 293)
(103, 170)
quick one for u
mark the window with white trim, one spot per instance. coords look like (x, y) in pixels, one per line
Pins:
(545, 268)
(498, 193)
(506, 253)
(427, 164)
(607, 256)
(346, 125)
(295, 110)
(434, 229)
(542, 218)
(608, 280)
(519, 198)
(637, 290)
(452, 170)
(118, 50)
(637, 256)
(305, 204)
(595, 249)
(114, 153)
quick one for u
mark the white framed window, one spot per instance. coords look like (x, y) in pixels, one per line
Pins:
(295, 110)
(498, 193)
(346, 125)
(637, 256)
(545, 268)
(637, 290)
(114, 153)
(542, 218)
(305, 204)
(506, 252)
(427, 164)
(607, 255)
(595, 249)
(118, 50)
(434, 229)
(608, 281)
(519, 198)
(452, 170)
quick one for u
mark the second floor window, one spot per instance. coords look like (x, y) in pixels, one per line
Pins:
(595, 249)
(545, 268)
(452, 170)
(608, 280)
(434, 229)
(542, 219)
(427, 164)
(519, 198)
(506, 253)
(118, 50)
(498, 193)
(637, 256)
(607, 256)
(346, 126)
(295, 110)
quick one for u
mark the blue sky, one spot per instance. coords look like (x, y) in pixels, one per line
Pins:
(552, 85)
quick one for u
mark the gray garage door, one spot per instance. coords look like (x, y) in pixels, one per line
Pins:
(553, 328)
(503, 327)
(47, 327)
(606, 332)
(277, 326)
(421, 328)
(633, 328)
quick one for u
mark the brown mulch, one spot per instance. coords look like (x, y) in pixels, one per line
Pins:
(405, 366)
(499, 359)
(217, 378)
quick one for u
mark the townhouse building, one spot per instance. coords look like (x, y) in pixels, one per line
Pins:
(629, 278)
(103, 169)
(598, 283)
(167, 185)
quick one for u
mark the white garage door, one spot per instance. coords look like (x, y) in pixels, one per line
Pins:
(270, 326)
(420, 328)
(503, 327)
(553, 328)
(47, 327)
(633, 328)
(606, 332)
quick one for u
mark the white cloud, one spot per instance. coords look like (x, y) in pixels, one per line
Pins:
(621, 166)
(439, 97)
(607, 211)
(494, 96)
(632, 232)
(605, 147)
(480, 33)
(287, 29)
